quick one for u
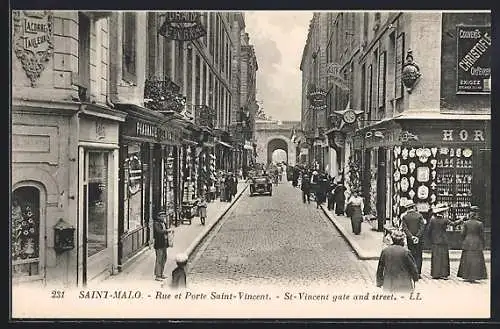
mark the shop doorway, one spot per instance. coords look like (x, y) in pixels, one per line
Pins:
(96, 213)
(381, 188)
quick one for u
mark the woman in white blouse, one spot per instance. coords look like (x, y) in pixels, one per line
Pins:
(355, 206)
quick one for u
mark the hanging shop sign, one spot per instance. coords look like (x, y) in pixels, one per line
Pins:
(33, 41)
(134, 174)
(473, 59)
(182, 26)
(317, 99)
(333, 72)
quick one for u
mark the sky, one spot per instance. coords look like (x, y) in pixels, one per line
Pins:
(279, 38)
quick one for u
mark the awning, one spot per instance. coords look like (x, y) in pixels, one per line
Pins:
(224, 144)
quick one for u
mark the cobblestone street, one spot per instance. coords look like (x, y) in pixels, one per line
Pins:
(276, 240)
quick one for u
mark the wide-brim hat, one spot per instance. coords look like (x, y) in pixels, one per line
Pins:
(440, 208)
(474, 208)
(410, 204)
(397, 235)
(161, 213)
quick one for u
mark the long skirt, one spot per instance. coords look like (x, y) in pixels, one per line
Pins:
(472, 265)
(356, 219)
(440, 261)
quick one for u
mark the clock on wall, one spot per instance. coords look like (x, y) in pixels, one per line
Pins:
(349, 116)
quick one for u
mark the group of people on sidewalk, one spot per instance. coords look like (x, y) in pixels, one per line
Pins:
(400, 267)
(224, 188)
(324, 188)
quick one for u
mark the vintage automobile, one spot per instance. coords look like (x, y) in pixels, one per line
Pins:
(261, 184)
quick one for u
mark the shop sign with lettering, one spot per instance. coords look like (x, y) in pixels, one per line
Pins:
(33, 40)
(144, 129)
(182, 26)
(463, 135)
(473, 59)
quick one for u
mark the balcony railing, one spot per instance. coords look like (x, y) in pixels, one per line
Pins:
(163, 95)
(204, 116)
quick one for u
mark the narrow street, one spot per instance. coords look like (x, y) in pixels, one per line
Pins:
(276, 240)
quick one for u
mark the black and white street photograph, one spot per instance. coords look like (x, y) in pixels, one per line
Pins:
(250, 164)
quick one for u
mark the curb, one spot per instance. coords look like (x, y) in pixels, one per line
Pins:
(455, 255)
(209, 228)
(354, 245)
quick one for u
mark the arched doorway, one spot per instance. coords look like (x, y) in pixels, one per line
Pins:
(274, 145)
(28, 232)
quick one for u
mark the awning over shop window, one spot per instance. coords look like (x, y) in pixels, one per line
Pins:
(224, 144)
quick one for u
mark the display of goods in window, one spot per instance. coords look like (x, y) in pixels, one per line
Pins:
(431, 175)
(24, 232)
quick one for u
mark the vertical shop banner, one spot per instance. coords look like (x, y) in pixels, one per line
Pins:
(473, 59)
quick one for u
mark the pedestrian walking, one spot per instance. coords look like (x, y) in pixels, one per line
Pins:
(228, 188)
(356, 207)
(222, 187)
(413, 225)
(330, 194)
(440, 258)
(202, 209)
(339, 198)
(472, 265)
(396, 271)
(160, 244)
(234, 188)
(305, 186)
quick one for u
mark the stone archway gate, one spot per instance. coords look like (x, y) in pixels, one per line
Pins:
(270, 135)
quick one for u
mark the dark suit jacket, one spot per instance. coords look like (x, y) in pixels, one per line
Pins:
(437, 230)
(396, 269)
(473, 235)
(413, 224)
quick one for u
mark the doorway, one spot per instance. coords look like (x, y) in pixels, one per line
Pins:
(381, 188)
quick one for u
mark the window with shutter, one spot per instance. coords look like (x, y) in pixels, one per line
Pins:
(83, 51)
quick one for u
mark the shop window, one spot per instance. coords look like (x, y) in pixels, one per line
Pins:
(83, 53)
(133, 185)
(26, 232)
(97, 202)
(129, 47)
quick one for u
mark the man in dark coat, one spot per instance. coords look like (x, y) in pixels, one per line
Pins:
(160, 244)
(305, 187)
(396, 271)
(413, 225)
(330, 195)
(339, 197)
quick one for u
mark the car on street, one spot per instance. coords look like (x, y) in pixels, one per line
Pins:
(261, 184)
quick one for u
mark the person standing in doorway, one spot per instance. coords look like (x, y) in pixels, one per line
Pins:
(413, 225)
(472, 265)
(160, 244)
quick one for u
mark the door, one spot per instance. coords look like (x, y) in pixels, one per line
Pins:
(95, 213)
(381, 188)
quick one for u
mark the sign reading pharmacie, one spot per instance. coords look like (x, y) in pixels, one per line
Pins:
(182, 26)
(473, 59)
(33, 40)
(138, 128)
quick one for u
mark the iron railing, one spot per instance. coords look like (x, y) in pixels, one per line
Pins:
(163, 95)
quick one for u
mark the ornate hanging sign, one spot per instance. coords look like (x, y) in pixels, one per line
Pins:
(33, 40)
(317, 99)
(182, 26)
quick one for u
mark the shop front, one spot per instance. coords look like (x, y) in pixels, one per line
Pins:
(148, 172)
(443, 161)
(190, 152)
(98, 191)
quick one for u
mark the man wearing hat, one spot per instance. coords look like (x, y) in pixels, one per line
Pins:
(413, 225)
(160, 244)
(440, 259)
(396, 271)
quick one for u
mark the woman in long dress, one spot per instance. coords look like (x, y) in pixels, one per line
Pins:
(472, 264)
(356, 206)
(440, 259)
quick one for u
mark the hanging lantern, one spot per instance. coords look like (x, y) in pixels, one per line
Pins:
(411, 72)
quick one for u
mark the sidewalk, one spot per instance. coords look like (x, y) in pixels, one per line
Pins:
(186, 239)
(369, 243)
